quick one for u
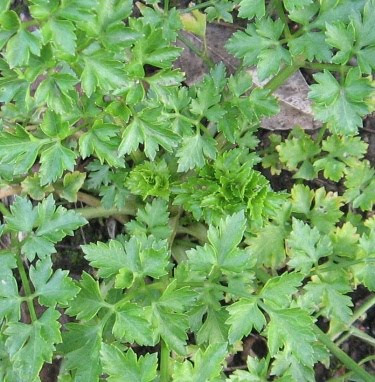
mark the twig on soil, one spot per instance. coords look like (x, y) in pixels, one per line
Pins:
(9, 191)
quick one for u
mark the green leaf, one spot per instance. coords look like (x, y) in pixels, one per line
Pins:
(168, 316)
(54, 126)
(222, 250)
(31, 186)
(17, 148)
(51, 224)
(78, 11)
(99, 174)
(23, 215)
(365, 271)
(354, 39)
(330, 297)
(42, 9)
(360, 184)
(81, 348)
(243, 316)
(102, 141)
(131, 325)
(365, 38)
(292, 330)
(226, 237)
(345, 240)
(21, 46)
(257, 371)
(194, 22)
(342, 151)
(220, 11)
(251, 8)
(125, 366)
(208, 94)
(9, 20)
(259, 45)
(61, 34)
(138, 257)
(289, 368)
(54, 161)
(306, 246)
(268, 245)
(299, 149)
(72, 183)
(262, 104)
(108, 258)
(177, 299)
(149, 179)
(193, 151)
(207, 365)
(278, 291)
(39, 246)
(56, 223)
(292, 5)
(154, 50)
(102, 71)
(214, 329)
(13, 87)
(311, 44)
(88, 301)
(112, 11)
(58, 91)
(10, 302)
(322, 209)
(341, 106)
(151, 220)
(172, 328)
(146, 129)
(52, 287)
(342, 38)
(170, 23)
(240, 83)
(4, 6)
(30, 345)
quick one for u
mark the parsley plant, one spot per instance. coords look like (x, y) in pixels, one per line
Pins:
(208, 253)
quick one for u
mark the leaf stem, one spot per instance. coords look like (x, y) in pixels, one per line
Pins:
(280, 12)
(185, 118)
(29, 23)
(321, 133)
(164, 362)
(196, 50)
(342, 378)
(3, 210)
(197, 230)
(322, 66)
(363, 336)
(26, 287)
(283, 75)
(101, 212)
(342, 264)
(369, 303)
(198, 6)
(173, 222)
(342, 356)
(166, 6)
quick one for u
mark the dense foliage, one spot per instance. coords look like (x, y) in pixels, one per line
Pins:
(92, 109)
